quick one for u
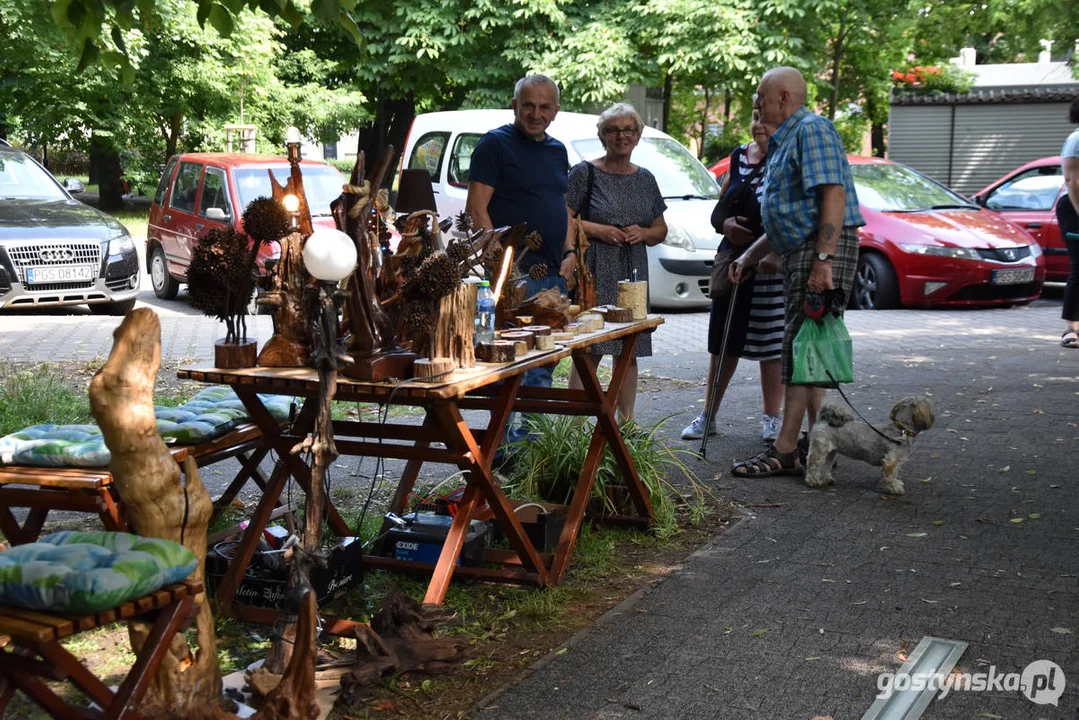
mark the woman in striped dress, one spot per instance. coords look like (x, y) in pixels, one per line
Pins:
(756, 331)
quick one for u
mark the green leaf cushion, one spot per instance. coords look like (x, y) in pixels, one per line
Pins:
(55, 446)
(85, 572)
(212, 413)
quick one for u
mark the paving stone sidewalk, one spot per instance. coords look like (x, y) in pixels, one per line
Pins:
(795, 611)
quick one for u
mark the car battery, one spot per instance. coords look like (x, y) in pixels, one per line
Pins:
(423, 535)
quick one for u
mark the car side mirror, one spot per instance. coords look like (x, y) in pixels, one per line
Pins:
(978, 200)
(215, 213)
(74, 185)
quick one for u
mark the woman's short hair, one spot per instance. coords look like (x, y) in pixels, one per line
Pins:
(616, 111)
(1073, 112)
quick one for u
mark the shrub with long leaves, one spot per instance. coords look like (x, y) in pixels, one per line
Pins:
(549, 463)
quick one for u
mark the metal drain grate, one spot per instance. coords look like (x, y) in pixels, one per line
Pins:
(933, 658)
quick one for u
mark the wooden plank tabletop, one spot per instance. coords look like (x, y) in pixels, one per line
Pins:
(304, 380)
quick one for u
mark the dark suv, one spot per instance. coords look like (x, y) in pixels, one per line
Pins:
(201, 191)
(54, 250)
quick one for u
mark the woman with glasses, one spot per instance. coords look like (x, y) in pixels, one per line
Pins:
(620, 209)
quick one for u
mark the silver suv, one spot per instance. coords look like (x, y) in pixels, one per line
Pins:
(54, 250)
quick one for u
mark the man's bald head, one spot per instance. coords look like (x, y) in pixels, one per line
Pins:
(782, 91)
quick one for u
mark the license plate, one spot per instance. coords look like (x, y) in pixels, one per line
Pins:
(1014, 276)
(60, 273)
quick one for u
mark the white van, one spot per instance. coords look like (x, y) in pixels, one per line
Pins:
(678, 269)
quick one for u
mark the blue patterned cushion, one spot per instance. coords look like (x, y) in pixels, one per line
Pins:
(83, 572)
(210, 414)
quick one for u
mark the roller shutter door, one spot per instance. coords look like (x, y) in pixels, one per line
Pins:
(992, 140)
(918, 136)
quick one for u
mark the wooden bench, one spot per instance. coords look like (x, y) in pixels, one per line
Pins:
(90, 490)
(35, 652)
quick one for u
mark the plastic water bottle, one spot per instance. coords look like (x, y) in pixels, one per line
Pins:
(485, 314)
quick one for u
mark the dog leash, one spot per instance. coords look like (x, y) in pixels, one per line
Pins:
(851, 406)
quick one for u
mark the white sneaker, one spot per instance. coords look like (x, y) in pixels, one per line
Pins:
(770, 425)
(695, 430)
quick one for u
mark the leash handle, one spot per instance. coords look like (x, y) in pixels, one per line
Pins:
(844, 396)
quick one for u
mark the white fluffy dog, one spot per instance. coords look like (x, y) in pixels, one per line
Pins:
(838, 432)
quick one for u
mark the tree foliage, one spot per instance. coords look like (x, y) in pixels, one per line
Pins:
(330, 65)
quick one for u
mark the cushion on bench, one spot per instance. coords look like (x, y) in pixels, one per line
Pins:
(212, 413)
(86, 572)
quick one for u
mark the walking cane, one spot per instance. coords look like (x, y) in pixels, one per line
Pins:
(713, 376)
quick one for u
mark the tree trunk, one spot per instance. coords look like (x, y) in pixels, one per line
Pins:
(668, 87)
(876, 129)
(104, 157)
(158, 505)
(837, 57)
(390, 127)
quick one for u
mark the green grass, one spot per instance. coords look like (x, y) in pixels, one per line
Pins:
(38, 395)
(135, 219)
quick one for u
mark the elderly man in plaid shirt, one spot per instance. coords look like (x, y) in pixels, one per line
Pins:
(811, 218)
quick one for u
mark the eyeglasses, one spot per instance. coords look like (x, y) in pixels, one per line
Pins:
(614, 132)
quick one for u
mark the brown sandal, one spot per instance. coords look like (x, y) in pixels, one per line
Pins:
(768, 463)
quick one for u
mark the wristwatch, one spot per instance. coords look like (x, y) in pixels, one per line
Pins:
(823, 256)
(569, 252)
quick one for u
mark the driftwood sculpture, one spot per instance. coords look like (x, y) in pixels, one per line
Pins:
(584, 282)
(548, 307)
(290, 345)
(371, 327)
(158, 505)
(399, 639)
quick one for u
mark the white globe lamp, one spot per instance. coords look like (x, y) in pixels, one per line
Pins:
(329, 255)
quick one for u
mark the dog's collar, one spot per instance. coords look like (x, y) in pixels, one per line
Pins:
(904, 431)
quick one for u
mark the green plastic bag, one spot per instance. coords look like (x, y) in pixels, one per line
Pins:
(823, 353)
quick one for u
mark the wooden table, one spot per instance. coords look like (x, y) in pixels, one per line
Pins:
(445, 437)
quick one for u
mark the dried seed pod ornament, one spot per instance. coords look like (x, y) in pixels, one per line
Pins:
(538, 271)
(266, 220)
(463, 222)
(436, 277)
(219, 279)
(534, 240)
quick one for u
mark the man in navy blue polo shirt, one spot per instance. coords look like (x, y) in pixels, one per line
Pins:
(518, 174)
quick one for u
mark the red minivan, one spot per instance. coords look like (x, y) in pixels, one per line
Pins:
(201, 191)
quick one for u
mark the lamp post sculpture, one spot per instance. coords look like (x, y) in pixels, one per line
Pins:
(330, 257)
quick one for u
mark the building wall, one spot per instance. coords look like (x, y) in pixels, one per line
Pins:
(967, 146)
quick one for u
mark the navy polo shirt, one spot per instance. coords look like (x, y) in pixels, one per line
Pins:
(530, 179)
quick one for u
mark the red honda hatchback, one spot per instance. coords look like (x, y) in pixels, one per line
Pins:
(201, 191)
(925, 246)
(1027, 197)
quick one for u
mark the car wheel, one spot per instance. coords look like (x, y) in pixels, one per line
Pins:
(165, 286)
(113, 308)
(875, 285)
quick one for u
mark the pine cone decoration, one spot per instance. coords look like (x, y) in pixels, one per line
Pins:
(492, 261)
(534, 240)
(265, 220)
(416, 316)
(459, 251)
(410, 265)
(464, 222)
(538, 271)
(436, 277)
(219, 278)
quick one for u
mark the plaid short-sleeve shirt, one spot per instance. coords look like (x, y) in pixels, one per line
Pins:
(803, 153)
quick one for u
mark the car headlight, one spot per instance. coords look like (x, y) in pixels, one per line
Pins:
(1035, 250)
(679, 238)
(121, 244)
(938, 251)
